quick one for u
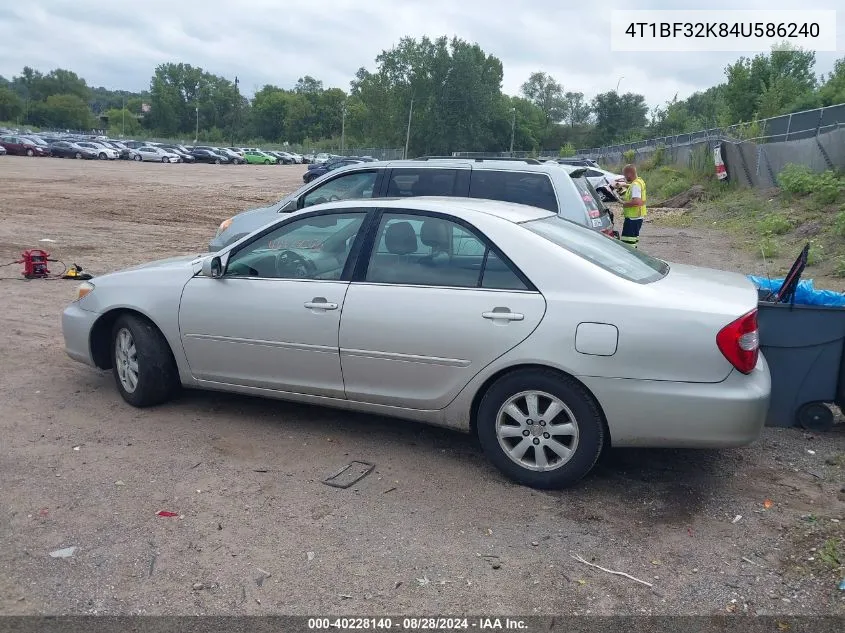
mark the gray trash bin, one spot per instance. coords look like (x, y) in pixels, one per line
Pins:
(803, 346)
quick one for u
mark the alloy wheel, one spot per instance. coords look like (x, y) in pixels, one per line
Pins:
(537, 431)
(126, 359)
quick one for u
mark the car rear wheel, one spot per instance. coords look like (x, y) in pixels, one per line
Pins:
(143, 366)
(30, 153)
(540, 428)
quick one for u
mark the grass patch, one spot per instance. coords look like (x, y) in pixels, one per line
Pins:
(774, 224)
(830, 553)
(768, 248)
(839, 224)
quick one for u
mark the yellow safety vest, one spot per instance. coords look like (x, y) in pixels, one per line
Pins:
(635, 212)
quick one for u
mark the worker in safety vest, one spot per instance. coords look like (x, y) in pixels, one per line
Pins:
(633, 206)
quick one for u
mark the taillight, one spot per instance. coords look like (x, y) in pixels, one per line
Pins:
(739, 341)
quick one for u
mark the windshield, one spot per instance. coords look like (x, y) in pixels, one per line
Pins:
(598, 249)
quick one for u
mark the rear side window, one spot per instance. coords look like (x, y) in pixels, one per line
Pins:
(607, 253)
(422, 182)
(534, 189)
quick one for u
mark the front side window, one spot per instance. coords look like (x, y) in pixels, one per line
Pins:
(422, 182)
(429, 251)
(607, 253)
(533, 189)
(347, 187)
(310, 248)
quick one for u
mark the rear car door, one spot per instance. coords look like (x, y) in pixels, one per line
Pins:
(404, 182)
(271, 322)
(431, 305)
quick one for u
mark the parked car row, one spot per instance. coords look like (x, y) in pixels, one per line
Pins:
(102, 148)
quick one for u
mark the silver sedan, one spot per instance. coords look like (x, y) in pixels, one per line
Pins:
(547, 340)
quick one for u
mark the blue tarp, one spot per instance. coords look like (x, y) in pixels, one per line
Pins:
(805, 294)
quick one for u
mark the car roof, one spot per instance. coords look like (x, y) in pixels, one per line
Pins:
(510, 211)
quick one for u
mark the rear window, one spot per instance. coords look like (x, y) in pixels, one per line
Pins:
(534, 189)
(604, 252)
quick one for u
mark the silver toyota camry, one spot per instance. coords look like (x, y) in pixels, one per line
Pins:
(547, 340)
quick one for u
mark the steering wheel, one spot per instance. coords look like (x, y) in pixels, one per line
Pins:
(334, 198)
(290, 264)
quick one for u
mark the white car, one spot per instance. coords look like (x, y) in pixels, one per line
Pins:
(601, 179)
(103, 152)
(297, 158)
(152, 154)
(321, 158)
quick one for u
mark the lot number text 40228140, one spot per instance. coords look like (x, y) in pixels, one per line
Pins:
(421, 623)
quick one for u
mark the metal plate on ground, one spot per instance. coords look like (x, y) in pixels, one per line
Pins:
(350, 474)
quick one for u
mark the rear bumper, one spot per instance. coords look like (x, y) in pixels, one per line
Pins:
(685, 415)
(76, 328)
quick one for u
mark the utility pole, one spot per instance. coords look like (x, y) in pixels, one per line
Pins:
(408, 134)
(513, 128)
(343, 128)
(618, 82)
(123, 114)
(197, 108)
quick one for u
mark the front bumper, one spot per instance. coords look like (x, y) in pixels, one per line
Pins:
(669, 414)
(76, 328)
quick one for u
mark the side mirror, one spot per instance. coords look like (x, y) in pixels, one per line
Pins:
(213, 267)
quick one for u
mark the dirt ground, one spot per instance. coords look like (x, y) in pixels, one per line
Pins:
(434, 529)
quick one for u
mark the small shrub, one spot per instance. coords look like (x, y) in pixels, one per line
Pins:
(774, 224)
(796, 179)
(768, 248)
(827, 188)
(629, 155)
(839, 224)
(839, 267)
(674, 187)
(567, 150)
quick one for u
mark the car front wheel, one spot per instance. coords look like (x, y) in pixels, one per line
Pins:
(30, 153)
(137, 157)
(540, 428)
(143, 366)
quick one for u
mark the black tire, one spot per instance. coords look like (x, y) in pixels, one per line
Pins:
(235, 161)
(165, 159)
(158, 377)
(30, 153)
(216, 161)
(137, 157)
(586, 413)
(102, 156)
(815, 416)
(78, 156)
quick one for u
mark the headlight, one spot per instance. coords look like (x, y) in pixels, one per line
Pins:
(225, 224)
(83, 290)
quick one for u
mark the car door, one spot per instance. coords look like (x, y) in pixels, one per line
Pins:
(271, 321)
(432, 304)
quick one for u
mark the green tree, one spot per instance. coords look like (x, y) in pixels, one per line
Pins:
(832, 90)
(547, 94)
(619, 118)
(11, 105)
(118, 120)
(62, 111)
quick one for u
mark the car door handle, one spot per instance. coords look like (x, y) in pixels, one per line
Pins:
(503, 314)
(320, 303)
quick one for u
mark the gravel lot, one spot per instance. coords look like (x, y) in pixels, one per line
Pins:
(433, 530)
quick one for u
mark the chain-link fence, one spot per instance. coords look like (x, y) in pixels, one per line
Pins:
(379, 153)
(787, 127)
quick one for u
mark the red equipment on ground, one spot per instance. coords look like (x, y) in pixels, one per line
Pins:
(35, 263)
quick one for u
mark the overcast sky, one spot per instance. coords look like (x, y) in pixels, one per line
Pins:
(118, 44)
